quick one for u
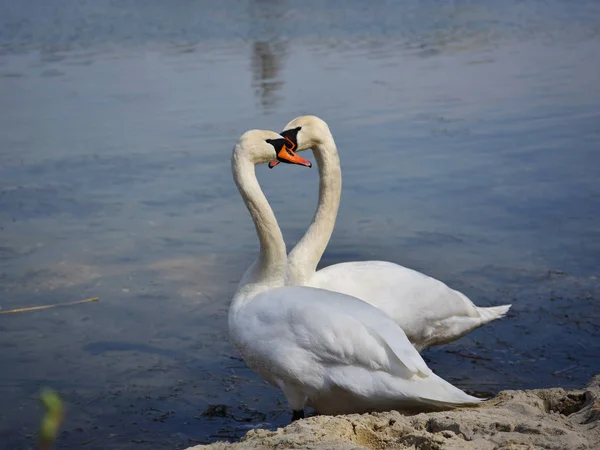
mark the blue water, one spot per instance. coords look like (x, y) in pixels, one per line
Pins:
(469, 135)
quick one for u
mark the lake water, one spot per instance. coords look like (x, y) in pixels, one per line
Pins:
(469, 134)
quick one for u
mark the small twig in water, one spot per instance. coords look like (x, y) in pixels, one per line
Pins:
(568, 369)
(34, 308)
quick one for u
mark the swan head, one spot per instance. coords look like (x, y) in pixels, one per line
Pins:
(303, 133)
(262, 146)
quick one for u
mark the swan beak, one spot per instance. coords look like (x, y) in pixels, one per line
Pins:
(290, 136)
(288, 156)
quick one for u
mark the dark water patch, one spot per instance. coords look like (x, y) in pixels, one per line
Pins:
(10, 252)
(98, 348)
(23, 203)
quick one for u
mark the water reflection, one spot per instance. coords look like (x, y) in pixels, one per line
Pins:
(267, 61)
(268, 53)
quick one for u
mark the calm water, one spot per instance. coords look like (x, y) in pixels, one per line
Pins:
(469, 133)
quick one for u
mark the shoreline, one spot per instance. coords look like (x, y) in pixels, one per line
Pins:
(553, 418)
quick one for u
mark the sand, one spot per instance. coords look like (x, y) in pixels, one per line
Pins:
(543, 418)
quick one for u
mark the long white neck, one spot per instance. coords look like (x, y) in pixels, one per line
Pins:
(304, 257)
(268, 270)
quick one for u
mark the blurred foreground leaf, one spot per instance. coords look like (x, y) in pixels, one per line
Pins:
(53, 418)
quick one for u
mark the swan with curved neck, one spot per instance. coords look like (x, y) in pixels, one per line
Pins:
(429, 312)
(323, 349)
(251, 149)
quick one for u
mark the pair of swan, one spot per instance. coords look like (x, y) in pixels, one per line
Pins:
(327, 349)
(429, 312)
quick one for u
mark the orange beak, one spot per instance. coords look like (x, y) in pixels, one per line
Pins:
(291, 149)
(288, 156)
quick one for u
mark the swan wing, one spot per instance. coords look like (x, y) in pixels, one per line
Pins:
(429, 311)
(330, 328)
(382, 283)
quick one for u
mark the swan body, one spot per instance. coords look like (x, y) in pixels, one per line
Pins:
(323, 349)
(429, 312)
(337, 354)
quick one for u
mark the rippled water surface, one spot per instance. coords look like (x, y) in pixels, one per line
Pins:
(469, 133)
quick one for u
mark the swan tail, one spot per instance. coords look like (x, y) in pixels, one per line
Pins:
(441, 394)
(492, 313)
(455, 327)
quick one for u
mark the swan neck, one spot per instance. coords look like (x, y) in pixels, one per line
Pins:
(304, 258)
(268, 270)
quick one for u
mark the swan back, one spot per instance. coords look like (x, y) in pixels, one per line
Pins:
(314, 326)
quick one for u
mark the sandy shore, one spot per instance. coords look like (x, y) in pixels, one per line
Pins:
(543, 418)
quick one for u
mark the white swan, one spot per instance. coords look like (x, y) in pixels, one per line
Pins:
(429, 312)
(323, 349)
